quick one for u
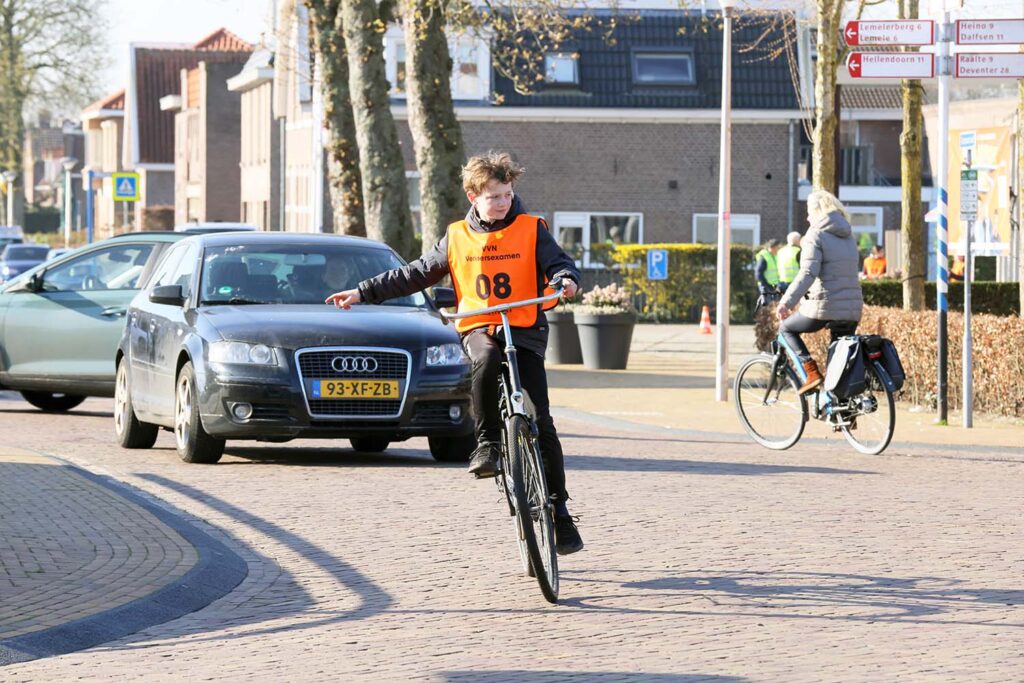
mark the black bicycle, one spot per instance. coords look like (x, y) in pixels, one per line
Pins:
(521, 470)
(774, 413)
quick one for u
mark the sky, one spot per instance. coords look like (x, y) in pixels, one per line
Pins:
(186, 21)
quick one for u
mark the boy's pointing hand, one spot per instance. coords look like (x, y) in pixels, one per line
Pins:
(344, 299)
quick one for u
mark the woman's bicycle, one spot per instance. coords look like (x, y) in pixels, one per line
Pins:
(521, 469)
(774, 414)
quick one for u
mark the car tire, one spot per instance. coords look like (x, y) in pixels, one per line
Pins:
(370, 444)
(452, 448)
(131, 433)
(50, 402)
(194, 444)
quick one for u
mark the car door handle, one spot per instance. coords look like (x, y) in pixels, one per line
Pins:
(114, 312)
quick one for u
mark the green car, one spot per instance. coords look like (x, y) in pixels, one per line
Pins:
(61, 321)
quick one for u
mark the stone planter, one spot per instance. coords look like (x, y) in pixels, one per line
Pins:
(563, 339)
(605, 339)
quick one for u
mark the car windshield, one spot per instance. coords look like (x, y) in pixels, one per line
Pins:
(292, 273)
(25, 252)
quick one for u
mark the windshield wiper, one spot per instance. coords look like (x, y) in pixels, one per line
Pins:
(236, 301)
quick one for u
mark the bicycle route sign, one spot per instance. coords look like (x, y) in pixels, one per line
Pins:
(890, 65)
(902, 32)
(969, 195)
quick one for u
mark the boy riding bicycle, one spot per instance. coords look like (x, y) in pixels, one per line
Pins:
(498, 255)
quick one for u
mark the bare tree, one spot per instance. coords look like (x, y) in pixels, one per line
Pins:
(385, 196)
(343, 165)
(829, 15)
(912, 219)
(52, 49)
(437, 136)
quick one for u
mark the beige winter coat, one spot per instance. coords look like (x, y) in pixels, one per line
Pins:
(828, 272)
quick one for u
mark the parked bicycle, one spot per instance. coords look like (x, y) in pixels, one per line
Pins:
(521, 469)
(774, 414)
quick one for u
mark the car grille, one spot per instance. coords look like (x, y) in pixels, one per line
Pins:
(316, 364)
(262, 411)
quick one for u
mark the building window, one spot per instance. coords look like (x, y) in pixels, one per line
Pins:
(663, 68)
(561, 68)
(588, 237)
(866, 222)
(744, 228)
(471, 65)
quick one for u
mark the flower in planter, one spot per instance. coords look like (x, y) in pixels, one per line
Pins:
(606, 301)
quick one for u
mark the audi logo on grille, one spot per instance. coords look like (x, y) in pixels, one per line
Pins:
(354, 364)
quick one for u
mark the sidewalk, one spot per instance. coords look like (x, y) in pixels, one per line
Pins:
(670, 382)
(84, 561)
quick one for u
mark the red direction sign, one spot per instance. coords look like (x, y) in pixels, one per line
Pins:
(990, 65)
(902, 32)
(990, 31)
(891, 65)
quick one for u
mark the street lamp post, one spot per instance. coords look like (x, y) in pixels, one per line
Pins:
(724, 239)
(69, 165)
(9, 178)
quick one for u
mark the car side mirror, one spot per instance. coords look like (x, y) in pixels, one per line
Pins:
(35, 283)
(172, 295)
(444, 297)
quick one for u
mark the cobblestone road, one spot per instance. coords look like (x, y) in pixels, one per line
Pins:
(706, 560)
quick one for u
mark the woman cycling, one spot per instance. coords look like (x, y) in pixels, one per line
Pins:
(828, 278)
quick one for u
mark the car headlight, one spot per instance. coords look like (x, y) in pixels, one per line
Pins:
(6, 270)
(446, 354)
(240, 353)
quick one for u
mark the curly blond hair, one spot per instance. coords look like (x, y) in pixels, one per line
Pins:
(483, 168)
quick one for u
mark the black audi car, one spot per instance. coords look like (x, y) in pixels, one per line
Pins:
(231, 339)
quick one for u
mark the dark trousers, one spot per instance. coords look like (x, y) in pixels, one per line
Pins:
(487, 354)
(797, 324)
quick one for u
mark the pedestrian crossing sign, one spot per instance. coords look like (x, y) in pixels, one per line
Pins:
(126, 187)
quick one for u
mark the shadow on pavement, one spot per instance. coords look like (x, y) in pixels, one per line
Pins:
(286, 598)
(547, 676)
(328, 457)
(74, 412)
(618, 379)
(741, 469)
(806, 595)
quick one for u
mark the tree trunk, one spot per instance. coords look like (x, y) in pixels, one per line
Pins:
(12, 94)
(343, 163)
(437, 136)
(385, 196)
(911, 219)
(825, 122)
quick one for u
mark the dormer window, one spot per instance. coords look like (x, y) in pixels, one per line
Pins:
(663, 67)
(561, 68)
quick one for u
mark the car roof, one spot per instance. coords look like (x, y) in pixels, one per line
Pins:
(291, 238)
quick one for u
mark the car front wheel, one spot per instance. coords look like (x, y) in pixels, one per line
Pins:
(452, 448)
(194, 444)
(131, 433)
(52, 403)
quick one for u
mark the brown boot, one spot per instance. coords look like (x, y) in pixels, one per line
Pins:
(814, 378)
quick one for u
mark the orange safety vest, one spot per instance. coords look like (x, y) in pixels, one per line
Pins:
(494, 268)
(875, 265)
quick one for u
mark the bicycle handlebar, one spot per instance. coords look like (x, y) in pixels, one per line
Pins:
(507, 307)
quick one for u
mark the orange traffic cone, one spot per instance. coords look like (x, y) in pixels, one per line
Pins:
(705, 321)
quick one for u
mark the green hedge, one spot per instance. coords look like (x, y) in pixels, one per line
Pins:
(996, 298)
(691, 281)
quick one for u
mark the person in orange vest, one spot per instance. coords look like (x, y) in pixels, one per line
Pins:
(498, 254)
(956, 271)
(875, 264)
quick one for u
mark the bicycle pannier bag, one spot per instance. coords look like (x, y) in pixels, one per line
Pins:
(845, 374)
(891, 363)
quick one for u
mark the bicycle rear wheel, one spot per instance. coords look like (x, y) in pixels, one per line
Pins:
(534, 510)
(872, 416)
(767, 402)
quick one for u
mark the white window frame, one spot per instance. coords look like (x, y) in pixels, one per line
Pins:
(564, 219)
(572, 57)
(877, 230)
(740, 219)
(394, 37)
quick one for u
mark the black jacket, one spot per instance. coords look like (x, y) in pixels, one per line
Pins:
(432, 267)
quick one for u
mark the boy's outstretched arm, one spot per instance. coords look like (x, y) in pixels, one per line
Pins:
(425, 271)
(555, 262)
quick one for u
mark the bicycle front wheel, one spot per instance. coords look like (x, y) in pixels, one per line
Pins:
(871, 416)
(767, 402)
(534, 510)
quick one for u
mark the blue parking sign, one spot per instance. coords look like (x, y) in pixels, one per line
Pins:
(657, 264)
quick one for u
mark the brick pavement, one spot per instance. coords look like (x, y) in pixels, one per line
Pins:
(707, 560)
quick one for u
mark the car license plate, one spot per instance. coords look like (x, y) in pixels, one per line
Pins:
(355, 388)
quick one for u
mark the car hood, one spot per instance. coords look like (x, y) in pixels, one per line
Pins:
(299, 326)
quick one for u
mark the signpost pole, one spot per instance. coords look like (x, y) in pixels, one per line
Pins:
(942, 231)
(725, 169)
(968, 360)
(88, 206)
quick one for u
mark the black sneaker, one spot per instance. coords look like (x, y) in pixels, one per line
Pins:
(567, 536)
(484, 461)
